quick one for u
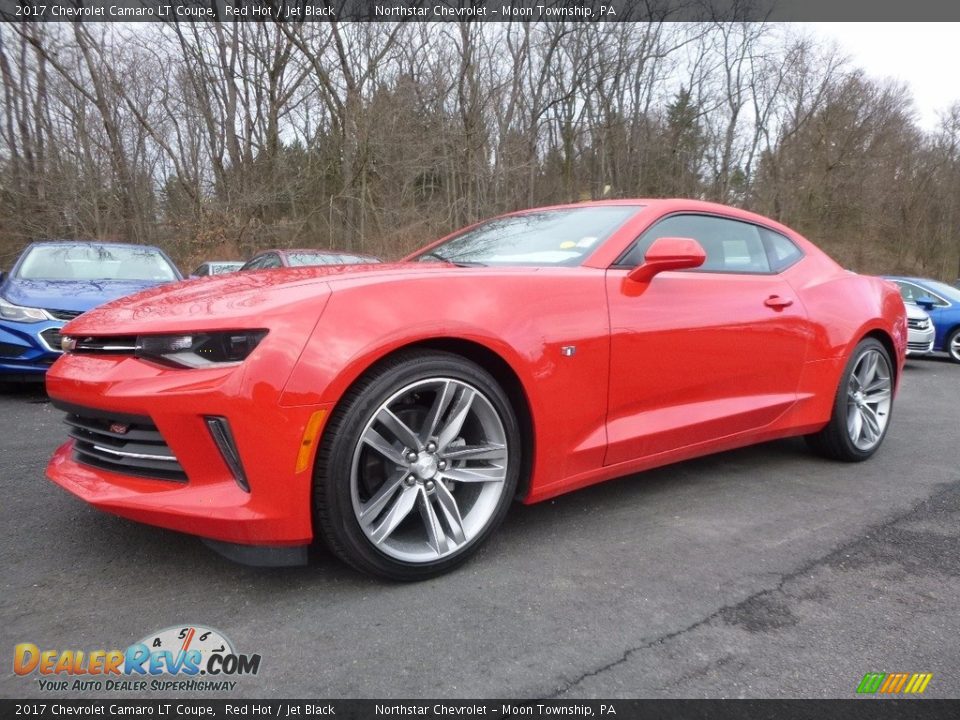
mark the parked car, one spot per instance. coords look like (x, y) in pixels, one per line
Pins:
(53, 282)
(920, 331)
(216, 267)
(305, 257)
(397, 410)
(942, 302)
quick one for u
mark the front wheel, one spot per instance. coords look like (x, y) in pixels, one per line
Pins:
(861, 408)
(953, 345)
(418, 466)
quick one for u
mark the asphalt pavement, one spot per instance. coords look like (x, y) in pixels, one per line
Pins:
(763, 572)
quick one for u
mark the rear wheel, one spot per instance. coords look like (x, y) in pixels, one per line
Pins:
(418, 466)
(862, 407)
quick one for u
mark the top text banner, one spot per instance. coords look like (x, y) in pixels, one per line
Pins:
(474, 10)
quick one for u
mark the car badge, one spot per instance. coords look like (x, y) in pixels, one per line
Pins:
(119, 428)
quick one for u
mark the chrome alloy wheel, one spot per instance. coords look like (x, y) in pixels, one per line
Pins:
(869, 395)
(429, 470)
(954, 347)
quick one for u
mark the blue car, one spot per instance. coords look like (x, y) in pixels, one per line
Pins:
(53, 282)
(942, 303)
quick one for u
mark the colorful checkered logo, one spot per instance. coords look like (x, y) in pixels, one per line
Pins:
(893, 683)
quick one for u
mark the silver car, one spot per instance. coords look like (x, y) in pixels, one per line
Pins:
(920, 331)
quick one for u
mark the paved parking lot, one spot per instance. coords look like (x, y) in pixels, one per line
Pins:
(764, 572)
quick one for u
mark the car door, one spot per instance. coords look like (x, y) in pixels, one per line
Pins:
(703, 354)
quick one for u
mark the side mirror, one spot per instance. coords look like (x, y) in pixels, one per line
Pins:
(927, 303)
(668, 253)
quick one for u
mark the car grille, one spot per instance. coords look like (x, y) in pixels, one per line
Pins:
(918, 324)
(113, 345)
(127, 444)
(64, 314)
(52, 337)
(11, 350)
(918, 345)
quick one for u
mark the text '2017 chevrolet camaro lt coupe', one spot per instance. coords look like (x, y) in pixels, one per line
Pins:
(396, 410)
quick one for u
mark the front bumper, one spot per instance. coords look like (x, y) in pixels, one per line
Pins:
(920, 342)
(28, 348)
(276, 511)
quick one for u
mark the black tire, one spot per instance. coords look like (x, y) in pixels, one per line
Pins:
(335, 517)
(952, 345)
(835, 441)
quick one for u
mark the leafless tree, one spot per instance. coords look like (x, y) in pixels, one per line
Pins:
(220, 138)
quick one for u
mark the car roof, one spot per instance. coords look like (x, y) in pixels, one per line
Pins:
(688, 203)
(668, 205)
(910, 278)
(89, 243)
(942, 287)
(316, 251)
(313, 251)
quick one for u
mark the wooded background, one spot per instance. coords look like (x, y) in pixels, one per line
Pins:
(214, 140)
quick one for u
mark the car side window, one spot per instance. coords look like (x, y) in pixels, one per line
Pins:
(911, 293)
(781, 251)
(202, 270)
(270, 261)
(908, 292)
(731, 246)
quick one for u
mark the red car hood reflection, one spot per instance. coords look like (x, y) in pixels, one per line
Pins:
(234, 301)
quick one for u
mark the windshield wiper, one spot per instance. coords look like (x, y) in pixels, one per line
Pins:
(458, 263)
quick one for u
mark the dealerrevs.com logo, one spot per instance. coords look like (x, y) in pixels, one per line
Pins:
(180, 658)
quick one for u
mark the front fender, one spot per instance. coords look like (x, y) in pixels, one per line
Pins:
(526, 323)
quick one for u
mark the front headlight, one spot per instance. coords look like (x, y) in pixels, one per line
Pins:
(199, 349)
(18, 313)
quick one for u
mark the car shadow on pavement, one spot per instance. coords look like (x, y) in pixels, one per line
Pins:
(122, 547)
(928, 361)
(33, 391)
(125, 547)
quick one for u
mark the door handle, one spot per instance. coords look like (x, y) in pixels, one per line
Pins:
(777, 303)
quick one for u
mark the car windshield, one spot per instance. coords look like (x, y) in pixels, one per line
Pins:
(297, 259)
(95, 262)
(561, 237)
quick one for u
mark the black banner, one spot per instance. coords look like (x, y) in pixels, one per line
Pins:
(914, 709)
(473, 10)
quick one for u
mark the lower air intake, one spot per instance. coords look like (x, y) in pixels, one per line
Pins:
(124, 444)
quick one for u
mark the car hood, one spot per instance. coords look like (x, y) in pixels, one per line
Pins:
(72, 295)
(243, 299)
(915, 313)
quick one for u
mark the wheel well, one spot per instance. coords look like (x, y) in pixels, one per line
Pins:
(887, 342)
(507, 379)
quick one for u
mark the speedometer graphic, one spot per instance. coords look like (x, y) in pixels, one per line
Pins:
(182, 639)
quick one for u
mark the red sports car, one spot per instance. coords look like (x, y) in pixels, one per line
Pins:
(397, 410)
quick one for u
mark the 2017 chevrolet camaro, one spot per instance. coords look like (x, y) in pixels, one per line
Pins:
(396, 410)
